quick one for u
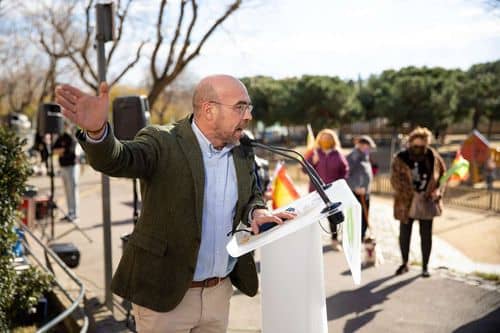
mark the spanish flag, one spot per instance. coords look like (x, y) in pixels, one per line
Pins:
(284, 191)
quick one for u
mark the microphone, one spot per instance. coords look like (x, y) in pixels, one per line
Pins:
(335, 215)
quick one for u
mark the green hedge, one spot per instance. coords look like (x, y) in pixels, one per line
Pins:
(19, 292)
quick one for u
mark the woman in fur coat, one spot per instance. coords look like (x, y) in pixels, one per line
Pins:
(415, 176)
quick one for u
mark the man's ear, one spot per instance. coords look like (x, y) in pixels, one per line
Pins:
(208, 111)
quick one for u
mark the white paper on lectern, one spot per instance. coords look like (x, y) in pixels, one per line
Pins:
(308, 209)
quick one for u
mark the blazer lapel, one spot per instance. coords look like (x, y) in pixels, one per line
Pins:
(243, 176)
(191, 148)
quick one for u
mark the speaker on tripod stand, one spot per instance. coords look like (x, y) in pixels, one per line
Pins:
(130, 115)
(50, 122)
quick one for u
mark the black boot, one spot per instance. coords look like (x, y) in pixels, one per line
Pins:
(402, 269)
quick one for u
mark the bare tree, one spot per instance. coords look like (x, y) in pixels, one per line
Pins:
(493, 6)
(174, 62)
(5, 7)
(20, 84)
(48, 23)
(174, 102)
(161, 108)
(78, 44)
(19, 76)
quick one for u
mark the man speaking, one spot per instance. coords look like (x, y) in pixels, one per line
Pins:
(197, 184)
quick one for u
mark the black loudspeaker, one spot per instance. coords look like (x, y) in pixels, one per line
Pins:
(105, 23)
(50, 119)
(130, 114)
(67, 252)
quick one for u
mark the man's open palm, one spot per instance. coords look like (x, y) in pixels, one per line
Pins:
(86, 111)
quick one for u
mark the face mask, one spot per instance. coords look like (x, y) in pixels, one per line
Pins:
(326, 144)
(417, 152)
(365, 150)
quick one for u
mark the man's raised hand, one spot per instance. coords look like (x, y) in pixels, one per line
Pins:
(86, 111)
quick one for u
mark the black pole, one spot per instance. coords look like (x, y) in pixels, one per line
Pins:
(52, 203)
(104, 33)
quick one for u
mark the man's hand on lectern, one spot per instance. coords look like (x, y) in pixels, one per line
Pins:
(262, 216)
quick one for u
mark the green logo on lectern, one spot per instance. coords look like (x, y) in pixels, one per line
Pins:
(350, 226)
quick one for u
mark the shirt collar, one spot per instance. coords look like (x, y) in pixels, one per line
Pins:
(206, 146)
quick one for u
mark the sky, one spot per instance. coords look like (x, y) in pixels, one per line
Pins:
(284, 38)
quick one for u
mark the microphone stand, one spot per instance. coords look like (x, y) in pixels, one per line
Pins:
(335, 216)
(305, 164)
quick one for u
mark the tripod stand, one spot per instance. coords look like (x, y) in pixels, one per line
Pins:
(52, 205)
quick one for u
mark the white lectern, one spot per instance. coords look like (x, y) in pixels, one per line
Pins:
(292, 275)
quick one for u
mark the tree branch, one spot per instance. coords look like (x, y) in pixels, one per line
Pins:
(159, 40)
(229, 11)
(176, 37)
(121, 19)
(130, 65)
(159, 83)
(187, 40)
(84, 49)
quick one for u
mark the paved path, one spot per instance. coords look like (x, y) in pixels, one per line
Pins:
(449, 301)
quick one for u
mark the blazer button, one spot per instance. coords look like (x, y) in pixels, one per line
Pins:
(198, 240)
(191, 269)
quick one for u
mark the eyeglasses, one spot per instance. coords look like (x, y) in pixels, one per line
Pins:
(240, 107)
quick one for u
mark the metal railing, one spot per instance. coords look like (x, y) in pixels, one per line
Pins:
(74, 301)
(460, 196)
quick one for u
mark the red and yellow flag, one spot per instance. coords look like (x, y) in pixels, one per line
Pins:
(284, 191)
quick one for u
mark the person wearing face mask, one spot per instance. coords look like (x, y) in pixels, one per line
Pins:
(415, 173)
(330, 164)
(361, 175)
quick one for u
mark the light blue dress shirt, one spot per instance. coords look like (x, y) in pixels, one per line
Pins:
(219, 206)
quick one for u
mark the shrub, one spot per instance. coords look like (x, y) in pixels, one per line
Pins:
(19, 292)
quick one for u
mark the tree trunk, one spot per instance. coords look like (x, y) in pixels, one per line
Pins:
(158, 87)
(490, 126)
(475, 119)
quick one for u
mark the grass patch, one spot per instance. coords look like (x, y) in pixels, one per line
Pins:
(26, 329)
(415, 263)
(488, 276)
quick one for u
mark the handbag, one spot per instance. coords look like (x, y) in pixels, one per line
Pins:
(424, 208)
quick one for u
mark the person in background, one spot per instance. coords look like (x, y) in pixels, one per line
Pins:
(65, 148)
(416, 171)
(490, 167)
(330, 164)
(40, 146)
(375, 166)
(361, 175)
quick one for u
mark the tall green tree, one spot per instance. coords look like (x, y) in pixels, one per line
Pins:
(479, 93)
(323, 100)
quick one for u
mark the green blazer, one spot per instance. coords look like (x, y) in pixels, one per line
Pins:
(159, 261)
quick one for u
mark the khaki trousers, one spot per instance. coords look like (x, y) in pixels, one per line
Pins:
(202, 310)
